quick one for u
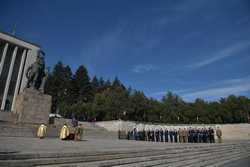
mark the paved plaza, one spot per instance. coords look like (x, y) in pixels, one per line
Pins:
(21, 151)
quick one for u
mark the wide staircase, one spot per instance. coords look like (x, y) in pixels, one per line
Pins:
(9, 129)
(181, 155)
(91, 130)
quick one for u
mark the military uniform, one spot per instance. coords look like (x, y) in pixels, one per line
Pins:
(211, 135)
(157, 136)
(219, 135)
(180, 133)
(185, 134)
(161, 135)
(166, 135)
(171, 135)
(152, 135)
(175, 136)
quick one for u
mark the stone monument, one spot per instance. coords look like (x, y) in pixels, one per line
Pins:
(32, 105)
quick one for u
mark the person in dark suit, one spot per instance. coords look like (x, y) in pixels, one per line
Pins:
(166, 135)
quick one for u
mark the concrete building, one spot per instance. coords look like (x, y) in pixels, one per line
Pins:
(16, 55)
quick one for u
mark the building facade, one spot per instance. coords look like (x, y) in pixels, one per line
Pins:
(16, 55)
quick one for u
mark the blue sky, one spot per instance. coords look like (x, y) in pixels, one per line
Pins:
(192, 48)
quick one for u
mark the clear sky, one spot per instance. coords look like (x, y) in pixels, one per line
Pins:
(195, 48)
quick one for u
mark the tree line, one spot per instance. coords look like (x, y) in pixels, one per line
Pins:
(95, 98)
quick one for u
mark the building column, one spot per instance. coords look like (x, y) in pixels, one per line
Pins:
(7, 85)
(3, 57)
(18, 82)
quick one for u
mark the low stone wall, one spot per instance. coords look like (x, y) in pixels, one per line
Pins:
(229, 131)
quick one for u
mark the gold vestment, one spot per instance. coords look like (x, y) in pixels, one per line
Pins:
(41, 133)
(64, 132)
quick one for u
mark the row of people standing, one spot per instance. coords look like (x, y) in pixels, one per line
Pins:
(182, 135)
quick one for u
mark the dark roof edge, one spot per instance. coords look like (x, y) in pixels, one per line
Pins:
(20, 39)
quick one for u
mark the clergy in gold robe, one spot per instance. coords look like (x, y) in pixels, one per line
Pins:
(41, 132)
(64, 132)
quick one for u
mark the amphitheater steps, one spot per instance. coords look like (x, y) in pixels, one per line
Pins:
(29, 130)
(186, 156)
(24, 130)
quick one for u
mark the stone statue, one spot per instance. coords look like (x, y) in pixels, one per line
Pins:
(44, 80)
(36, 74)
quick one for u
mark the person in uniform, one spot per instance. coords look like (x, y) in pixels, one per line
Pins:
(195, 135)
(134, 134)
(203, 135)
(161, 135)
(185, 133)
(191, 133)
(152, 135)
(206, 135)
(42, 130)
(211, 135)
(180, 135)
(171, 135)
(175, 136)
(157, 137)
(79, 132)
(64, 133)
(144, 135)
(200, 135)
(130, 134)
(219, 134)
(148, 134)
(166, 135)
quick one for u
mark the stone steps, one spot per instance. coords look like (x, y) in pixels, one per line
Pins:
(25, 130)
(128, 158)
(30, 130)
(166, 162)
(172, 149)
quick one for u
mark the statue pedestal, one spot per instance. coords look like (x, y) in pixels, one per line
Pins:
(33, 107)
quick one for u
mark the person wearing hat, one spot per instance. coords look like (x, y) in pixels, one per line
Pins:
(42, 130)
(64, 133)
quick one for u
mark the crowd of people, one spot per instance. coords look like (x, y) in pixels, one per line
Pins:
(152, 133)
(182, 135)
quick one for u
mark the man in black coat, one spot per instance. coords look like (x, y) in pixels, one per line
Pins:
(171, 135)
(166, 135)
(161, 135)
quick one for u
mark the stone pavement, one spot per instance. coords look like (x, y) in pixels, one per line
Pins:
(102, 148)
(21, 151)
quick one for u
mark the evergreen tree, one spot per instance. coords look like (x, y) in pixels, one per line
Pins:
(106, 100)
(81, 85)
(58, 85)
